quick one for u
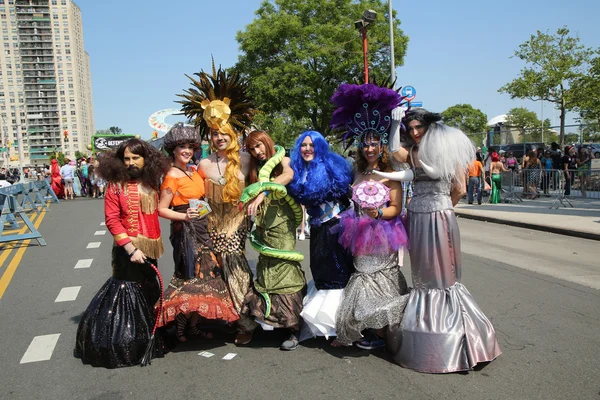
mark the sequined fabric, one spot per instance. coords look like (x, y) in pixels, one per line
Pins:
(115, 328)
(374, 297)
(443, 329)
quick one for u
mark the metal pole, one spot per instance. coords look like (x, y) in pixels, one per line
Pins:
(542, 120)
(20, 145)
(365, 58)
(392, 63)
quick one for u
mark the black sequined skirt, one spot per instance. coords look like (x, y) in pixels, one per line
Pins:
(115, 329)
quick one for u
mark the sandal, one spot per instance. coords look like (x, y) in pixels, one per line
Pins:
(243, 338)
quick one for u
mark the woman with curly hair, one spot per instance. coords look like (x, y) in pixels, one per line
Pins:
(197, 291)
(321, 183)
(117, 327)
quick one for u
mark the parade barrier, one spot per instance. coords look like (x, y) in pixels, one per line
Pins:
(19, 198)
(532, 183)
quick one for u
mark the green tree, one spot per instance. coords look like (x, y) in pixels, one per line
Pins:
(465, 118)
(528, 124)
(297, 52)
(283, 129)
(115, 130)
(587, 89)
(554, 63)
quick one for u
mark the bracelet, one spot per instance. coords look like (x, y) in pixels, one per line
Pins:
(133, 252)
(379, 213)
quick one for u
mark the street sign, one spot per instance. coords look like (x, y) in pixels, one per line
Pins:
(416, 103)
(409, 92)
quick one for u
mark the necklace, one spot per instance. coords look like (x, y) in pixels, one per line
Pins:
(222, 181)
(365, 172)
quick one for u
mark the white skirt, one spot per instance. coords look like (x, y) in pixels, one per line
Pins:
(318, 313)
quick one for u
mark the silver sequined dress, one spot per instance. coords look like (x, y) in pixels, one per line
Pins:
(443, 329)
(374, 297)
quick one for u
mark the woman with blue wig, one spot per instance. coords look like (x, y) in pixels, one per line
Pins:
(321, 183)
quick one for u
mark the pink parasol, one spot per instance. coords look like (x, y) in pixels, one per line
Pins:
(371, 194)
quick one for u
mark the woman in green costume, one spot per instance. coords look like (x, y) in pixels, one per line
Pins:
(496, 167)
(276, 301)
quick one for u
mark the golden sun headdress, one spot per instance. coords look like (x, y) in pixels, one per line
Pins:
(218, 101)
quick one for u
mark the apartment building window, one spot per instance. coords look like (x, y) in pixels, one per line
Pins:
(63, 2)
(54, 2)
(64, 16)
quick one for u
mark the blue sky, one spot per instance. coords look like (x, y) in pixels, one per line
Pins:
(459, 51)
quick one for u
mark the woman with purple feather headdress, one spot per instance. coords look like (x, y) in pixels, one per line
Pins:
(372, 230)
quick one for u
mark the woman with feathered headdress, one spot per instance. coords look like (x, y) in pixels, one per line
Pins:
(372, 231)
(443, 329)
(321, 182)
(219, 106)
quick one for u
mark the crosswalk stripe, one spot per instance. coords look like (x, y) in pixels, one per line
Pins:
(98, 233)
(67, 294)
(103, 223)
(93, 245)
(40, 348)
(85, 263)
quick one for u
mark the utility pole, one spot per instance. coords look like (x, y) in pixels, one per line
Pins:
(392, 63)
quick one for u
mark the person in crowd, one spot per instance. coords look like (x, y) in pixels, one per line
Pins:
(496, 169)
(557, 164)
(547, 165)
(67, 173)
(372, 231)
(197, 292)
(443, 330)
(276, 301)
(584, 165)
(222, 109)
(569, 165)
(56, 183)
(532, 172)
(476, 178)
(511, 161)
(76, 181)
(321, 183)
(116, 328)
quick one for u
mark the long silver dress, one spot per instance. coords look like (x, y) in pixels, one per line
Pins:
(443, 329)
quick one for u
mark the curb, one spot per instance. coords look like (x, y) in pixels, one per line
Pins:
(543, 228)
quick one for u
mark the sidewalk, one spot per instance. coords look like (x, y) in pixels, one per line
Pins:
(583, 220)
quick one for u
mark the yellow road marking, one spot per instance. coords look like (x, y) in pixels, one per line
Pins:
(14, 263)
(9, 250)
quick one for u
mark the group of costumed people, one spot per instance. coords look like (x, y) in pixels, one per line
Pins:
(358, 294)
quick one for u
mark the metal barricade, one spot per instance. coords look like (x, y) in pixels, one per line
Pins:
(12, 199)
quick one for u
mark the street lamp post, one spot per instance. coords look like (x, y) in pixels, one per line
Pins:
(392, 63)
(369, 17)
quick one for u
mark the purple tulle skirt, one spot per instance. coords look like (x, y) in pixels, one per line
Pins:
(367, 236)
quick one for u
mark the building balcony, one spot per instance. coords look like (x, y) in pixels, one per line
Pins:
(38, 39)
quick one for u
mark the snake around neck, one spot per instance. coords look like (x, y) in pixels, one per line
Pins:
(276, 192)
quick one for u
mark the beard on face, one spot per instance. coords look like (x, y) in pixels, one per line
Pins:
(134, 172)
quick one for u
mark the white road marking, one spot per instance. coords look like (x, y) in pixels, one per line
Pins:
(40, 348)
(93, 245)
(98, 233)
(68, 294)
(103, 223)
(86, 263)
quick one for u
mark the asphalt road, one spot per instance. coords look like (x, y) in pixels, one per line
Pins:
(539, 290)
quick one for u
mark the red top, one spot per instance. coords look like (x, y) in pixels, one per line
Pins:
(124, 215)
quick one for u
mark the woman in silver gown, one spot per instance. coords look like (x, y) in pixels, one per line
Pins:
(443, 329)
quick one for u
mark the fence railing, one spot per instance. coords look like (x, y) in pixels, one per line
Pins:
(534, 183)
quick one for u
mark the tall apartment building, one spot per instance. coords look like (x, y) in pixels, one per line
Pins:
(45, 82)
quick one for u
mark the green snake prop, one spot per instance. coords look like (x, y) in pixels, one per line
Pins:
(276, 192)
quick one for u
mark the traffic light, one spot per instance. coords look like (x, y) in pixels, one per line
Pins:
(66, 134)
